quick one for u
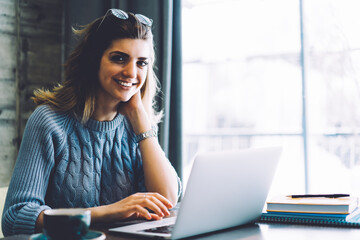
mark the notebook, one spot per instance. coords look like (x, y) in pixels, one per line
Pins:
(225, 189)
(351, 221)
(325, 205)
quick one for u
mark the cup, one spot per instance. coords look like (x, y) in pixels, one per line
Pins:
(71, 223)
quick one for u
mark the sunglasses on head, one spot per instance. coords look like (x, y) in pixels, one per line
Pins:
(118, 13)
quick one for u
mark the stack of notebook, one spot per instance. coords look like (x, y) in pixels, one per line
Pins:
(328, 210)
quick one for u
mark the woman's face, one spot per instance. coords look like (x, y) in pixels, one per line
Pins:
(123, 69)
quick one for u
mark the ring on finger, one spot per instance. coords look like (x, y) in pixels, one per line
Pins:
(145, 195)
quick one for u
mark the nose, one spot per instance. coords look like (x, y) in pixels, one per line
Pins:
(130, 70)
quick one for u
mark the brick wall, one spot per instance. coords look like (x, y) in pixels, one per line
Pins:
(30, 57)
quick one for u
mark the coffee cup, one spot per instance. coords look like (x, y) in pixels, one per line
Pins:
(71, 223)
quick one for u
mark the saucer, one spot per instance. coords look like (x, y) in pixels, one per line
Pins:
(91, 235)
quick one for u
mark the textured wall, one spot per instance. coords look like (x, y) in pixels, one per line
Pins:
(30, 57)
(7, 89)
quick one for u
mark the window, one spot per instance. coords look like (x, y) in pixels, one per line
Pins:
(261, 73)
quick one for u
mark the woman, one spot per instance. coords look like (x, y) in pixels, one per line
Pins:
(91, 142)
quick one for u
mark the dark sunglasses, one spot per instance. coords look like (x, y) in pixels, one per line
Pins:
(118, 13)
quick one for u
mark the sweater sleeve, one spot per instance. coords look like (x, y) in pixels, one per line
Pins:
(26, 194)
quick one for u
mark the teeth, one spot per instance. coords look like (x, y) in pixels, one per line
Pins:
(126, 84)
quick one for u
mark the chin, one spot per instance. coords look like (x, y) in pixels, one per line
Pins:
(122, 99)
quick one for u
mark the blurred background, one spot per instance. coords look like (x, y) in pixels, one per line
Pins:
(281, 72)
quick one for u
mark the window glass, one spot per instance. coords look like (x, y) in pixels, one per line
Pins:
(242, 81)
(332, 61)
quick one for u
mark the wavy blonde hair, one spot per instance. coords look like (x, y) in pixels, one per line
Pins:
(77, 93)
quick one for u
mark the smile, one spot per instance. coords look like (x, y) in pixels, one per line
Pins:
(123, 83)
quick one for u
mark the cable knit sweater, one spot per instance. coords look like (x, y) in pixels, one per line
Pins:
(65, 164)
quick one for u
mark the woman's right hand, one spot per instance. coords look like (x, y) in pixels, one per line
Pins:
(137, 205)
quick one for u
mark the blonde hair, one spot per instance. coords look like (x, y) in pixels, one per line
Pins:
(77, 93)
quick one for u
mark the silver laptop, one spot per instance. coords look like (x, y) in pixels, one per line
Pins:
(225, 189)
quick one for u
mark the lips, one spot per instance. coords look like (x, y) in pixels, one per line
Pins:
(124, 83)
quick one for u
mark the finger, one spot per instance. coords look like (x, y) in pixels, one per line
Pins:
(155, 216)
(163, 199)
(149, 203)
(158, 203)
(152, 215)
(142, 212)
(159, 200)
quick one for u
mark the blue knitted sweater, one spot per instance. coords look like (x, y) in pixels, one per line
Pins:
(65, 164)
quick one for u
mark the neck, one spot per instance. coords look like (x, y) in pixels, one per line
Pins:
(103, 115)
(105, 110)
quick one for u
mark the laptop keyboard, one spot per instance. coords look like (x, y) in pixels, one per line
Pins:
(163, 229)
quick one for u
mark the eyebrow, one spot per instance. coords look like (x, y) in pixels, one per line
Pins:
(127, 55)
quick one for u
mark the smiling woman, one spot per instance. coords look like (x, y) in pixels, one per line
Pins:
(123, 70)
(91, 143)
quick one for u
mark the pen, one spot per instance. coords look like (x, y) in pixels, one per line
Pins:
(319, 195)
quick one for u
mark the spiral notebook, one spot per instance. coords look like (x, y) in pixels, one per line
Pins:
(352, 221)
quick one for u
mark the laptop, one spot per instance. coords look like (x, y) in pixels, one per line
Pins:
(225, 189)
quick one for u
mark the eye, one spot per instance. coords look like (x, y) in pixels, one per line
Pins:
(117, 58)
(143, 63)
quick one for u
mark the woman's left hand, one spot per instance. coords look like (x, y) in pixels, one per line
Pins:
(159, 175)
(135, 102)
(135, 112)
